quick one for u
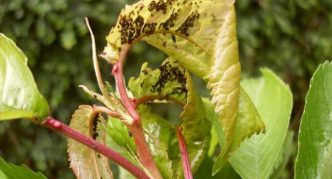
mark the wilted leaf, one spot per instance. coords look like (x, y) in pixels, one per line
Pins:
(85, 162)
(19, 96)
(201, 35)
(11, 171)
(315, 136)
(258, 155)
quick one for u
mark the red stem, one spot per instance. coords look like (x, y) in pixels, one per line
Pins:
(184, 154)
(93, 144)
(118, 75)
(135, 127)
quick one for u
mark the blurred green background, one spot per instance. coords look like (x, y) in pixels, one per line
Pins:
(289, 36)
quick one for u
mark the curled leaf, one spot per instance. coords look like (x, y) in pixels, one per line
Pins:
(171, 82)
(200, 35)
(248, 123)
(85, 162)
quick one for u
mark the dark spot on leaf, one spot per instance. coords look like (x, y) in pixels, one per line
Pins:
(169, 23)
(149, 28)
(160, 5)
(95, 121)
(174, 38)
(130, 28)
(188, 23)
(169, 72)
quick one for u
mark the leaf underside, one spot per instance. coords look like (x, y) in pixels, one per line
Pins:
(85, 162)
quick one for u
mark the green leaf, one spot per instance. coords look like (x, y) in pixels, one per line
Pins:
(172, 83)
(315, 136)
(159, 134)
(168, 82)
(248, 123)
(258, 155)
(201, 35)
(85, 162)
(11, 171)
(281, 170)
(204, 171)
(196, 127)
(119, 139)
(19, 96)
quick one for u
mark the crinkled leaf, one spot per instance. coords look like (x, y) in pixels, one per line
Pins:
(258, 155)
(315, 136)
(11, 171)
(171, 82)
(159, 134)
(201, 35)
(248, 123)
(85, 162)
(196, 127)
(168, 82)
(19, 96)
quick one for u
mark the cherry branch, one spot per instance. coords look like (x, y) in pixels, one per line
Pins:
(184, 154)
(120, 84)
(93, 144)
(135, 126)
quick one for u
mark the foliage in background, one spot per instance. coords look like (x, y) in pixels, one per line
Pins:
(291, 37)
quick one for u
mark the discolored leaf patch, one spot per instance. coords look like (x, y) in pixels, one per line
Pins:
(173, 84)
(200, 35)
(85, 162)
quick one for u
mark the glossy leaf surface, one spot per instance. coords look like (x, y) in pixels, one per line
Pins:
(257, 156)
(315, 136)
(19, 96)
